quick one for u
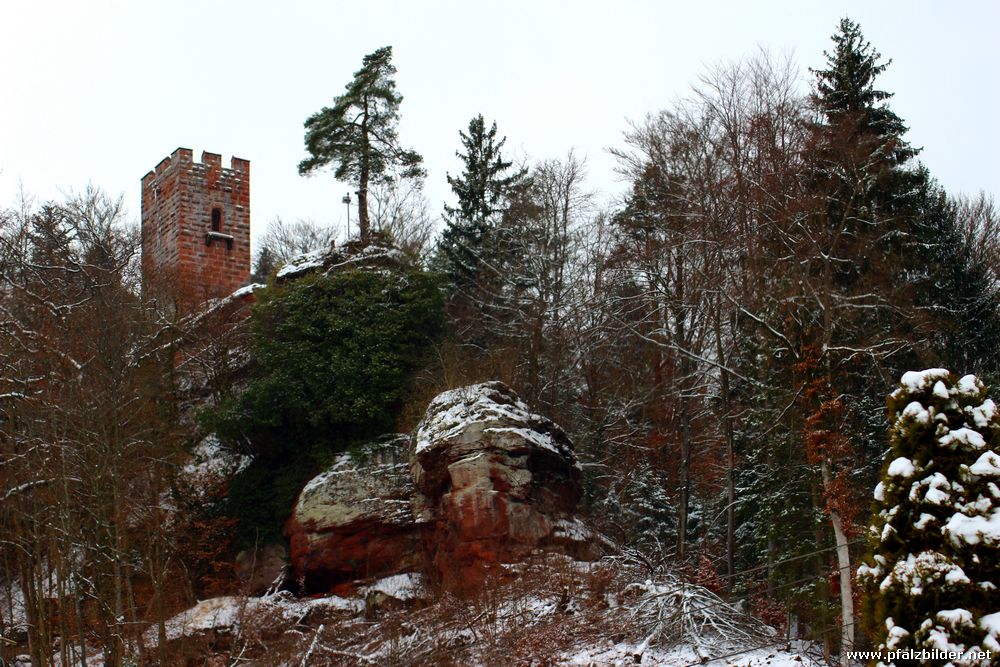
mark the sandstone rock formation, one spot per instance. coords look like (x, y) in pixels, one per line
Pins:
(485, 481)
(496, 482)
(355, 520)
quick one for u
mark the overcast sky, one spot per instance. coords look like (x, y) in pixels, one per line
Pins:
(101, 91)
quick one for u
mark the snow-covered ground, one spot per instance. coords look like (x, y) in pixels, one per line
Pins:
(552, 612)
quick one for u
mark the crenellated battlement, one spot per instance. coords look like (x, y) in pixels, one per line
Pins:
(184, 157)
(196, 227)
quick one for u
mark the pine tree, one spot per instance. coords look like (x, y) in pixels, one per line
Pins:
(483, 190)
(358, 133)
(935, 530)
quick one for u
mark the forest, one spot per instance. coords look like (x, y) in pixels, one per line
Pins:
(719, 345)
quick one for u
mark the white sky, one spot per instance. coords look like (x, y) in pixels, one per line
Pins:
(101, 91)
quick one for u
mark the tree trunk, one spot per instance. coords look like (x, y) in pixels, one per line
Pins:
(685, 494)
(364, 232)
(844, 570)
(727, 422)
(679, 335)
(822, 567)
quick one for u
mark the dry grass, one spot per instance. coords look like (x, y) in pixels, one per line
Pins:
(527, 615)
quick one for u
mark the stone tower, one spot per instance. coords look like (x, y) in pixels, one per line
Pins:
(195, 229)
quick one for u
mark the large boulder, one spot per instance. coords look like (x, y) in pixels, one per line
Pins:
(355, 520)
(496, 482)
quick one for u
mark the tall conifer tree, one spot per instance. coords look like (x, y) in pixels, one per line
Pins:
(483, 190)
(358, 133)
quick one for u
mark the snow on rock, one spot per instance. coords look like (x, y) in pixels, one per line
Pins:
(349, 256)
(489, 407)
(213, 305)
(303, 263)
(530, 616)
(225, 615)
(211, 614)
(247, 290)
(403, 587)
(496, 480)
(355, 519)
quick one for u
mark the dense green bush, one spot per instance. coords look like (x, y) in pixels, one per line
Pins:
(331, 362)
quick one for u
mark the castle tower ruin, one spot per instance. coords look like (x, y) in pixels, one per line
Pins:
(195, 229)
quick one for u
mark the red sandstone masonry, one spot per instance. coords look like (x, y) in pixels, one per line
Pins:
(183, 262)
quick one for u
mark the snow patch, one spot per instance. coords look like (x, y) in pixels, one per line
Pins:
(407, 586)
(938, 489)
(210, 459)
(973, 529)
(901, 467)
(969, 385)
(940, 390)
(226, 614)
(915, 573)
(454, 412)
(246, 290)
(984, 414)
(963, 438)
(302, 263)
(916, 382)
(916, 412)
(987, 465)
(991, 624)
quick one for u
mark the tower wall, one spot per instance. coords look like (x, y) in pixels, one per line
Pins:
(195, 228)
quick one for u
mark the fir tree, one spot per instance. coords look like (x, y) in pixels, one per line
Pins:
(483, 190)
(935, 531)
(358, 133)
(846, 93)
(962, 316)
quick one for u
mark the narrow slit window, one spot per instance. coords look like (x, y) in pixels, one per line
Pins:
(216, 219)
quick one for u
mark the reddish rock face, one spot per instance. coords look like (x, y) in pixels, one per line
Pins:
(486, 482)
(355, 520)
(496, 482)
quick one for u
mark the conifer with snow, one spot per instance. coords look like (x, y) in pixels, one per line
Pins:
(935, 533)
